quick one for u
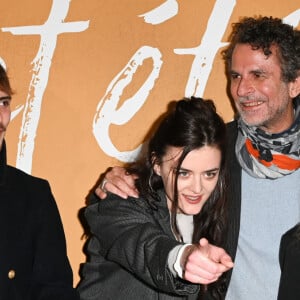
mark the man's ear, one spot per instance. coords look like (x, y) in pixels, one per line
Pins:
(294, 87)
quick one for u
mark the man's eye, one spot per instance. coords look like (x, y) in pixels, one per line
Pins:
(4, 103)
(234, 75)
(258, 75)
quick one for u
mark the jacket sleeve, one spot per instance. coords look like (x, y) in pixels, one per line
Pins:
(52, 275)
(130, 236)
(289, 258)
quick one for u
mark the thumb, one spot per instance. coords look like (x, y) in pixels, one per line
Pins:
(227, 261)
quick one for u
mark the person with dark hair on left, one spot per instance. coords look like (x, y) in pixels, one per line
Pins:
(151, 247)
(33, 259)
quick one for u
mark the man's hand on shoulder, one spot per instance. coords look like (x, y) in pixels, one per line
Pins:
(117, 181)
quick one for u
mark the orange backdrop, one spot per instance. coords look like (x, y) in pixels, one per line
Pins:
(90, 77)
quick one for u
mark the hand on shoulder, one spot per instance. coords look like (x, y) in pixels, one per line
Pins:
(117, 181)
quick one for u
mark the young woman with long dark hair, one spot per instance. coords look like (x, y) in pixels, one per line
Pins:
(153, 247)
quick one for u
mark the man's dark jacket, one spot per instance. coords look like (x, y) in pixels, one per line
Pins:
(289, 257)
(234, 208)
(33, 260)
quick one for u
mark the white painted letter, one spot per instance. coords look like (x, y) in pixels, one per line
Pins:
(106, 110)
(41, 68)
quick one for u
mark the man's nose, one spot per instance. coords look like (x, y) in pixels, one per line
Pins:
(245, 87)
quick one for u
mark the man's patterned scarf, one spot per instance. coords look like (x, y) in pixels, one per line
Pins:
(272, 156)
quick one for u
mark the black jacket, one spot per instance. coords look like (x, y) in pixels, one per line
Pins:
(33, 259)
(289, 258)
(131, 238)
